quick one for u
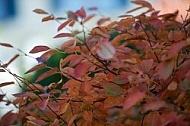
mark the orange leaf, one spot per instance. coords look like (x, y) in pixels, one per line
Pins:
(35, 68)
(63, 35)
(39, 48)
(172, 86)
(64, 24)
(88, 18)
(50, 17)
(132, 99)
(46, 55)
(87, 115)
(6, 84)
(103, 20)
(142, 3)
(100, 31)
(81, 69)
(40, 11)
(113, 101)
(67, 43)
(63, 108)
(46, 74)
(72, 119)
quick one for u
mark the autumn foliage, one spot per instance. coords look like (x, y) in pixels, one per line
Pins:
(135, 71)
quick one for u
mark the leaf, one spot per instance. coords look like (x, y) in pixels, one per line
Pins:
(132, 99)
(2, 70)
(61, 35)
(72, 119)
(72, 15)
(43, 104)
(55, 123)
(48, 18)
(92, 8)
(6, 83)
(9, 119)
(106, 50)
(81, 13)
(88, 18)
(1, 97)
(175, 49)
(35, 68)
(63, 108)
(67, 44)
(40, 11)
(39, 48)
(164, 69)
(39, 122)
(100, 31)
(64, 24)
(153, 106)
(35, 87)
(11, 60)
(142, 3)
(121, 79)
(172, 86)
(113, 101)
(46, 56)
(46, 74)
(103, 20)
(111, 88)
(81, 69)
(6, 45)
(87, 115)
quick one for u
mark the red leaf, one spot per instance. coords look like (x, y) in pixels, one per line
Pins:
(63, 35)
(46, 74)
(9, 119)
(88, 18)
(46, 55)
(81, 69)
(11, 60)
(43, 104)
(40, 11)
(100, 31)
(72, 15)
(48, 18)
(72, 59)
(6, 45)
(106, 50)
(68, 43)
(143, 3)
(39, 48)
(64, 24)
(35, 68)
(6, 84)
(132, 99)
(87, 115)
(81, 13)
(35, 87)
(103, 20)
(121, 79)
(164, 69)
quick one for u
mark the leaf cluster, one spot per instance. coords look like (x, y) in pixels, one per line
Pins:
(134, 71)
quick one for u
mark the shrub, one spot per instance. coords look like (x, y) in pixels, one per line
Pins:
(134, 71)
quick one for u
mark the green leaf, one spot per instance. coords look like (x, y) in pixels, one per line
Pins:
(112, 89)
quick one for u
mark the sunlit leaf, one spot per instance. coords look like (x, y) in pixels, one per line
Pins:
(40, 11)
(48, 18)
(164, 69)
(61, 35)
(132, 99)
(39, 48)
(46, 74)
(106, 50)
(81, 13)
(64, 24)
(6, 84)
(6, 45)
(111, 88)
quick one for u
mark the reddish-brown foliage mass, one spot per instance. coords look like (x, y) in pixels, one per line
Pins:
(135, 71)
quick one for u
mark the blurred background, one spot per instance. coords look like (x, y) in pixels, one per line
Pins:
(23, 29)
